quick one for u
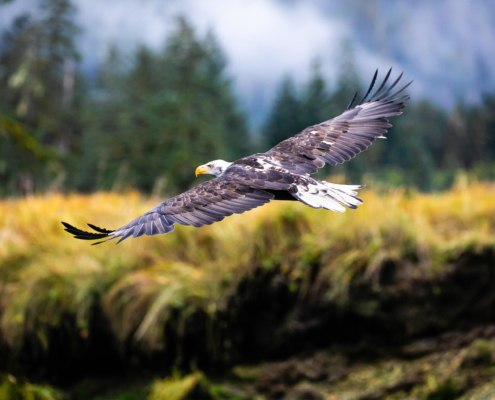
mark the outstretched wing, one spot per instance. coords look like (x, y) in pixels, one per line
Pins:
(204, 204)
(339, 139)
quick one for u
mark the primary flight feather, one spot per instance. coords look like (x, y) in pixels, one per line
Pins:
(282, 173)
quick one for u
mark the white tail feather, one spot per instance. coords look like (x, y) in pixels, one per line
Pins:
(330, 196)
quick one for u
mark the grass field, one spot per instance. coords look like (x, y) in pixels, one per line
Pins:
(46, 275)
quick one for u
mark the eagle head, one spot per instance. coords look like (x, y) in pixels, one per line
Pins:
(216, 168)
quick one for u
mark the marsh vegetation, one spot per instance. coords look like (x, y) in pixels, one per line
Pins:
(280, 282)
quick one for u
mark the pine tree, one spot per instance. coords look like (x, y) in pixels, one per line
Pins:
(39, 82)
(209, 125)
(171, 111)
(415, 144)
(285, 118)
(315, 98)
(59, 32)
(348, 83)
(487, 122)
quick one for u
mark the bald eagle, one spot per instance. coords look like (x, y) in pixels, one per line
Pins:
(282, 173)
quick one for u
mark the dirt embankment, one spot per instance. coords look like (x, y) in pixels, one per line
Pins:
(398, 316)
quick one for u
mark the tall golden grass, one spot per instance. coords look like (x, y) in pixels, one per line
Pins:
(45, 273)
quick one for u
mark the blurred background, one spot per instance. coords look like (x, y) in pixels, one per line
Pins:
(138, 93)
(106, 107)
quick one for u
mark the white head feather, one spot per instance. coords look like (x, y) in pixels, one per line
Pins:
(216, 168)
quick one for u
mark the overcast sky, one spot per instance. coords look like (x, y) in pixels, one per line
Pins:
(445, 45)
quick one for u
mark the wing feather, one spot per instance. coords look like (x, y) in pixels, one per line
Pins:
(205, 204)
(340, 139)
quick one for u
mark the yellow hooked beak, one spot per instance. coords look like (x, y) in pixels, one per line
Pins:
(202, 170)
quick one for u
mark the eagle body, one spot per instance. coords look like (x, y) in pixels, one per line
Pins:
(282, 173)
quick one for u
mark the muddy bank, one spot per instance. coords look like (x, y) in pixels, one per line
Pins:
(463, 371)
(269, 316)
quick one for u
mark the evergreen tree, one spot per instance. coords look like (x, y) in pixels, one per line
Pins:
(487, 123)
(60, 55)
(315, 98)
(348, 81)
(38, 83)
(208, 124)
(285, 118)
(415, 144)
(470, 140)
(170, 112)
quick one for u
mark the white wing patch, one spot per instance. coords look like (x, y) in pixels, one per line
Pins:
(272, 164)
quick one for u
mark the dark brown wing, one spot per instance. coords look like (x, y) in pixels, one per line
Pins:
(204, 204)
(340, 139)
